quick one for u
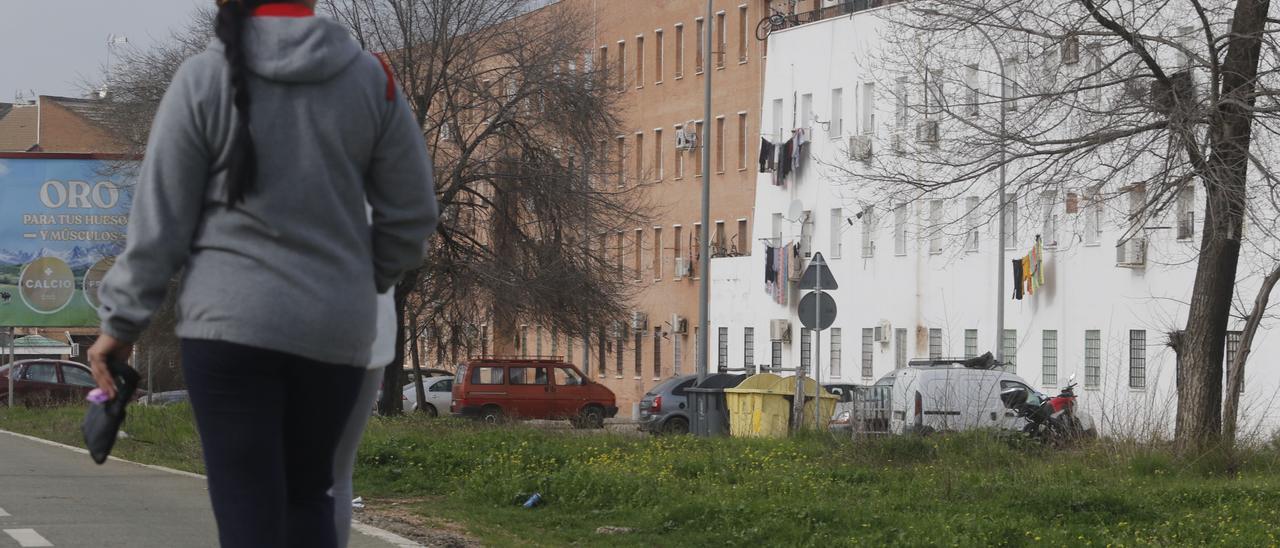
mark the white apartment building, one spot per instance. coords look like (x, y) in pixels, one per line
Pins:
(918, 278)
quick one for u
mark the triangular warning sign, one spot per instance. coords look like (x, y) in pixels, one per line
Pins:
(818, 265)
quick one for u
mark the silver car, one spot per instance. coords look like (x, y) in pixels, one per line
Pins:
(438, 391)
(664, 409)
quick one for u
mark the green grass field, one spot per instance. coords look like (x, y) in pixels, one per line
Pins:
(77, 312)
(974, 489)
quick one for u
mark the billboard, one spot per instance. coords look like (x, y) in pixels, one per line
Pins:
(63, 220)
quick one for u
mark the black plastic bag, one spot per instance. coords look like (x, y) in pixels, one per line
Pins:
(102, 422)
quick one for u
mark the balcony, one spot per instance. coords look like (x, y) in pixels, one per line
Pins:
(845, 7)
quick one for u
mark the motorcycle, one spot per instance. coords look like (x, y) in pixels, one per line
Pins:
(1049, 419)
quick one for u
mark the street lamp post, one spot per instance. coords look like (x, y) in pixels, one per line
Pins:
(704, 251)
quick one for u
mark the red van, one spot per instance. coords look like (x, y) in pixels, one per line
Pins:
(492, 389)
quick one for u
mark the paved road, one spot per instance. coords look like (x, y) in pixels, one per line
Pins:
(51, 496)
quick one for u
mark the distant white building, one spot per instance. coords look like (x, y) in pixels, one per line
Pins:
(919, 279)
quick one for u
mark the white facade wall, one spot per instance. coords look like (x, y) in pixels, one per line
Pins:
(955, 289)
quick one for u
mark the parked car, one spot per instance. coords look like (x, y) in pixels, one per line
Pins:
(663, 410)
(942, 395)
(46, 382)
(493, 389)
(438, 392)
(846, 406)
(164, 398)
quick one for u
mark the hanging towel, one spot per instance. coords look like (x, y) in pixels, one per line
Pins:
(800, 138)
(1026, 275)
(1038, 277)
(1017, 279)
(767, 156)
(784, 163)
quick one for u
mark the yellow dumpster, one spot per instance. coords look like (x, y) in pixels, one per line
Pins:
(761, 406)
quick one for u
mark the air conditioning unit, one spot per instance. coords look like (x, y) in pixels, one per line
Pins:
(679, 324)
(639, 321)
(927, 131)
(780, 330)
(683, 267)
(687, 138)
(1132, 253)
(883, 331)
(860, 148)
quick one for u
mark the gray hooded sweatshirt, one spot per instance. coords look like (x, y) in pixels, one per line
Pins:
(295, 267)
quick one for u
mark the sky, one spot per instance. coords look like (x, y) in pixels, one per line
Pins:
(51, 46)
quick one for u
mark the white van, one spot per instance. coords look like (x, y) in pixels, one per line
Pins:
(941, 395)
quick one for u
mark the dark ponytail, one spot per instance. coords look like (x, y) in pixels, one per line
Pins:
(243, 161)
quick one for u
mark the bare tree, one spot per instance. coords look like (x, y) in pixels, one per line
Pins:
(519, 123)
(1162, 95)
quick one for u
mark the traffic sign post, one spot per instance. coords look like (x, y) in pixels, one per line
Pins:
(817, 311)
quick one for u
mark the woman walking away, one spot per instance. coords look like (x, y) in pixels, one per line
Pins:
(262, 157)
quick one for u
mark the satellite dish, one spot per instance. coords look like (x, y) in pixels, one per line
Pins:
(795, 211)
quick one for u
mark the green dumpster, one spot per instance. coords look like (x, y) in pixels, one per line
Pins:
(761, 406)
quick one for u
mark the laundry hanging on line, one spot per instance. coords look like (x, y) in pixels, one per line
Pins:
(768, 156)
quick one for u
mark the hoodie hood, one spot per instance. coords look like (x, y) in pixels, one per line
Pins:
(296, 50)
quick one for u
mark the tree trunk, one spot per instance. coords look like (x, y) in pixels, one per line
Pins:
(389, 405)
(1235, 372)
(419, 391)
(1199, 417)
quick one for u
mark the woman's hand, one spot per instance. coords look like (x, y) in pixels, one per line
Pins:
(105, 349)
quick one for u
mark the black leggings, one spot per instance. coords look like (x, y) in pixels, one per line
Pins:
(269, 423)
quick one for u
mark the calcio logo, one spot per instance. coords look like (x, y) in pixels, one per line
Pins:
(93, 280)
(47, 285)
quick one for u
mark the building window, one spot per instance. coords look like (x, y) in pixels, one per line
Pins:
(719, 144)
(637, 253)
(899, 348)
(621, 344)
(868, 352)
(1093, 216)
(720, 40)
(722, 348)
(806, 234)
(806, 349)
(679, 51)
(742, 141)
(1233, 348)
(676, 246)
(900, 103)
(867, 110)
(971, 213)
(568, 350)
(1137, 358)
(622, 159)
(1186, 212)
(604, 63)
(1009, 345)
(935, 343)
(974, 101)
(835, 352)
(718, 246)
(677, 357)
(749, 348)
(837, 224)
(776, 233)
(622, 65)
(679, 156)
(1092, 358)
(659, 159)
(484, 340)
(639, 354)
(900, 230)
(657, 56)
(935, 226)
(601, 352)
(522, 341)
(1010, 221)
(775, 355)
(742, 34)
(744, 234)
(697, 60)
(1049, 216)
(806, 110)
(697, 156)
(835, 128)
(970, 343)
(1009, 88)
(933, 93)
(657, 253)
(555, 341)
(1049, 358)
(657, 352)
(868, 233)
(639, 61)
(639, 157)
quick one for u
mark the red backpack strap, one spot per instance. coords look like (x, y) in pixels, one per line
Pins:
(391, 77)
